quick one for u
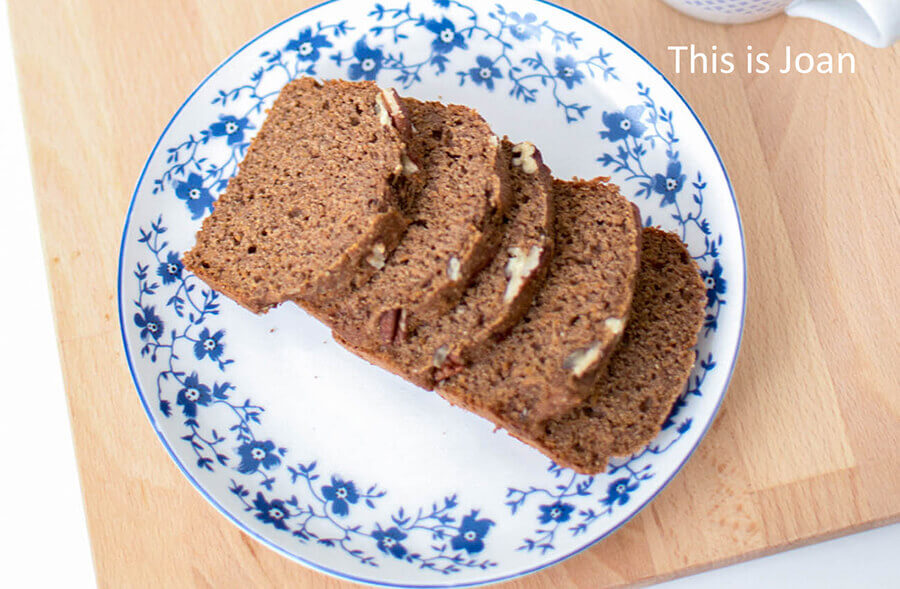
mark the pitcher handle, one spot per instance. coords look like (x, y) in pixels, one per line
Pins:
(876, 22)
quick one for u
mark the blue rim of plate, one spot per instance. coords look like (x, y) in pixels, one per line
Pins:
(339, 574)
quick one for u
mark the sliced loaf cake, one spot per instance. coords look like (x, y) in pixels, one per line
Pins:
(455, 230)
(647, 371)
(498, 296)
(550, 360)
(318, 194)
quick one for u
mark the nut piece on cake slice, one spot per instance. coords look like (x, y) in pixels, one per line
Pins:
(647, 371)
(499, 295)
(550, 360)
(316, 205)
(455, 230)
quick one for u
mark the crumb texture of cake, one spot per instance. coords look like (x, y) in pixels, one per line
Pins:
(648, 369)
(455, 230)
(580, 312)
(499, 295)
(316, 205)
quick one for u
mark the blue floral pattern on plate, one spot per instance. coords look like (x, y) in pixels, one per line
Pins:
(185, 344)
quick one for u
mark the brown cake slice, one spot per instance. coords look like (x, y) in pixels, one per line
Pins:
(316, 199)
(550, 360)
(648, 369)
(500, 294)
(454, 230)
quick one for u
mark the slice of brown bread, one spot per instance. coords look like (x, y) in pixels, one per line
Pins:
(455, 230)
(498, 296)
(550, 360)
(315, 200)
(648, 369)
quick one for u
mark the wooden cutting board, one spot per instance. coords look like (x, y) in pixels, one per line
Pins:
(807, 445)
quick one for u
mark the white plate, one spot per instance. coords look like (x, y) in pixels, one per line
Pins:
(333, 462)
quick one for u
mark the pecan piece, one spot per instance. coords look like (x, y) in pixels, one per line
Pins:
(391, 109)
(392, 326)
(452, 365)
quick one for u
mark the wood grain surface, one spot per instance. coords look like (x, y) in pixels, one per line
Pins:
(807, 445)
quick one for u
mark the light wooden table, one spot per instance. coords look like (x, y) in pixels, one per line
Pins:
(807, 445)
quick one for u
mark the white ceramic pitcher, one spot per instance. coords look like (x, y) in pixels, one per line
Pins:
(876, 22)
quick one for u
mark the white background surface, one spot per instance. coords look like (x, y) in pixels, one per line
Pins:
(42, 519)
